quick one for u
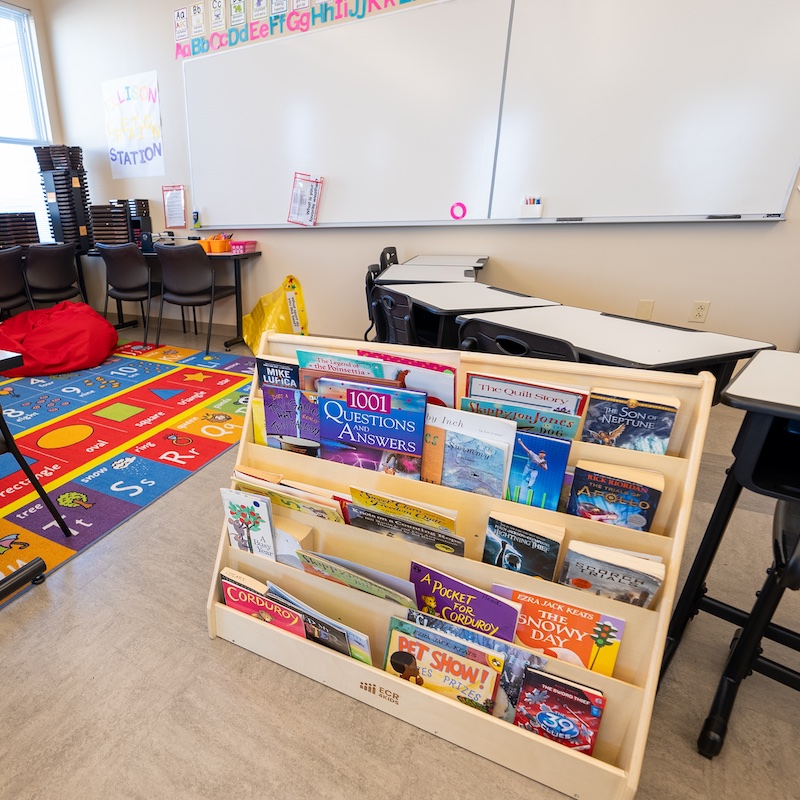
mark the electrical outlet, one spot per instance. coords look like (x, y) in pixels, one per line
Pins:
(699, 311)
(645, 309)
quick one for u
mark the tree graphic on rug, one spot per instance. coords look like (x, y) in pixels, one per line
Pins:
(74, 500)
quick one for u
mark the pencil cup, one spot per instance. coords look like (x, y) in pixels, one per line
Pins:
(530, 210)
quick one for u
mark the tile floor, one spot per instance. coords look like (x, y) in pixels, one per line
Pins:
(114, 690)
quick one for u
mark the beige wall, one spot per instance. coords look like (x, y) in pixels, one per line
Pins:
(748, 271)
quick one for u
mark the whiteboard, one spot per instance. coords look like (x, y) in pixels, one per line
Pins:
(397, 113)
(609, 110)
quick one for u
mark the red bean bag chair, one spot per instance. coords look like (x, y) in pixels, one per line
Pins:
(64, 338)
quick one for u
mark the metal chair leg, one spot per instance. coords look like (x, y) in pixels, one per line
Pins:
(160, 314)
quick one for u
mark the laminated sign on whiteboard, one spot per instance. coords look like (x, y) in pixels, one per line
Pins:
(306, 190)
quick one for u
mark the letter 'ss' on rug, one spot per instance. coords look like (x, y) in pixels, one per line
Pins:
(108, 441)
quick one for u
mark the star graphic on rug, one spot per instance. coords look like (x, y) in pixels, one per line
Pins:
(196, 376)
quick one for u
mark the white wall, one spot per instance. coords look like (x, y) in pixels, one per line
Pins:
(746, 270)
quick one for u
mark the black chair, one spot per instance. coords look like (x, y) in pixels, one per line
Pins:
(489, 337)
(376, 317)
(394, 310)
(13, 293)
(51, 274)
(188, 279)
(8, 445)
(129, 279)
(388, 257)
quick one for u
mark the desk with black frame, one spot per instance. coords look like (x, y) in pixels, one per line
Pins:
(621, 341)
(766, 462)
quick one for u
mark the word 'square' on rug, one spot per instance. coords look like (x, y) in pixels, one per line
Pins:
(108, 441)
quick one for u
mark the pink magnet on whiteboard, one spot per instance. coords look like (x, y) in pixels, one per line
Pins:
(458, 211)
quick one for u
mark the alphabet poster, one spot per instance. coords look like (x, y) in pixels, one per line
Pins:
(133, 125)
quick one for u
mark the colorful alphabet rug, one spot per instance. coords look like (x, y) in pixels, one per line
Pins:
(107, 441)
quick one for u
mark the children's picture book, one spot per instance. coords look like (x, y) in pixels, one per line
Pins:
(291, 417)
(319, 565)
(379, 428)
(630, 421)
(561, 710)
(323, 629)
(570, 400)
(397, 528)
(454, 600)
(248, 518)
(467, 451)
(616, 495)
(310, 378)
(567, 632)
(401, 508)
(613, 573)
(286, 497)
(291, 536)
(516, 659)
(558, 424)
(337, 363)
(278, 371)
(437, 377)
(399, 585)
(249, 596)
(442, 663)
(538, 464)
(523, 545)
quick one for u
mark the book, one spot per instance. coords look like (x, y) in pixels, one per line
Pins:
(399, 585)
(249, 596)
(632, 421)
(324, 630)
(286, 497)
(443, 595)
(616, 495)
(516, 659)
(291, 417)
(248, 518)
(398, 528)
(310, 378)
(613, 573)
(571, 400)
(467, 451)
(444, 664)
(421, 513)
(321, 566)
(558, 424)
(523, 545)
(291, 536)
(538, 464)
(437, 378)
(567, 632)
(560, 710)
(337, 363)
(379, 428)
(277, 371)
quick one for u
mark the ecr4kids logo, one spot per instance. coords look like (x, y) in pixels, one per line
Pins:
(285, 23)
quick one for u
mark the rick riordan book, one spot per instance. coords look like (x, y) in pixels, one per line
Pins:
(523, 545)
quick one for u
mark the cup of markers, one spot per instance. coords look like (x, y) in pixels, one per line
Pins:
(531, 208)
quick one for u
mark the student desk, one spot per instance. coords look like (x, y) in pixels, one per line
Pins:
(438, 305)
(466, 262)
(621, 341)
(425, 273)
(9, 360)
(765, 453)
(216, 258)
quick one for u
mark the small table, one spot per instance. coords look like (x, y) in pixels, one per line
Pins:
(768, 389)
(440, 304)
(621, 341)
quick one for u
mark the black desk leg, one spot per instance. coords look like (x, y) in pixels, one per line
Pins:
(237, 281)
(689, 602)
(744, 651)
(32, 572)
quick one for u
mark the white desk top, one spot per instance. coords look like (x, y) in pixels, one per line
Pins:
(425, 273)
(627, 342)
(473, 262)
(9, 359)
(769, 382)
(462, 297)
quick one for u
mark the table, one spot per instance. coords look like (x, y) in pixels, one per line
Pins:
(9, 360)
(215, 258)
(765, 450)
(467, 262)
(423, 273)
(440, 304)
(621, 341)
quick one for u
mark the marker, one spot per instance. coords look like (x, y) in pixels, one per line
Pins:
(724, 216)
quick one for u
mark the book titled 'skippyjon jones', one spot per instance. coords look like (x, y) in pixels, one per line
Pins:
(454, 600)
(379, 428)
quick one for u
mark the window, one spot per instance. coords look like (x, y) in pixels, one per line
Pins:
(23, 122)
